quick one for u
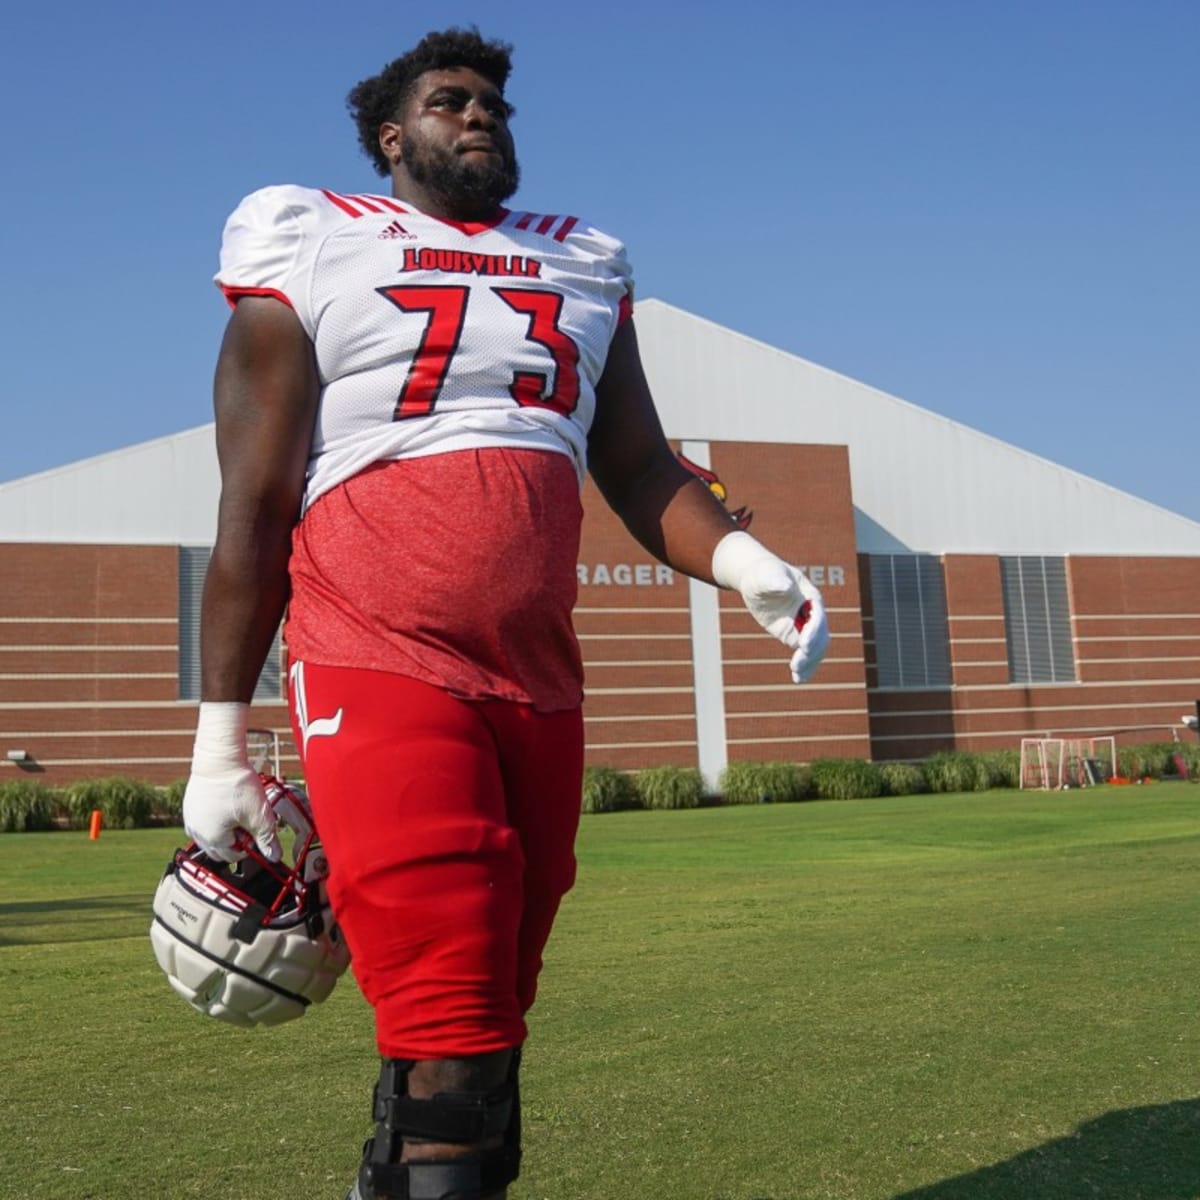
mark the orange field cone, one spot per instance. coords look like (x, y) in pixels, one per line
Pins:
(97, 821)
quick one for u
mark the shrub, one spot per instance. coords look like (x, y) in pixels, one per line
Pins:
(763, 783)
(26, 806)
(903, 779)
(846, 779)
(1190, 753)
(605, 789)
(955, 771)
(670, 787)
(1159, 758)
(1129, 763)
(77, 803)
(1002, 768)
(168, 806)
(125, 803)
(1151, 758)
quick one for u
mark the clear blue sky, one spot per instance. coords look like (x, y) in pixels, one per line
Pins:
(989, 209)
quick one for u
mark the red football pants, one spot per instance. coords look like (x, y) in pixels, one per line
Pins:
(450, 828)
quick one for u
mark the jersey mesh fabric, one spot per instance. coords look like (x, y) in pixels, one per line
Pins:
(424, 330)
(458, 570)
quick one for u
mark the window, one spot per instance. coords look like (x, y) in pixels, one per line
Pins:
(912, 639)
(193, 562)
(1037, 618)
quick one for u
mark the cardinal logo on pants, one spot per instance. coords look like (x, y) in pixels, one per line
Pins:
(319, 726)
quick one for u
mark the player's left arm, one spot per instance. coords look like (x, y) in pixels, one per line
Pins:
(670, 512)
(675, 516)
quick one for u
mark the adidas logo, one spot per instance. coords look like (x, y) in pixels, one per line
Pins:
(396, 230)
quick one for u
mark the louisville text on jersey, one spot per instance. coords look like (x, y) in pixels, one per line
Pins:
(463, 262)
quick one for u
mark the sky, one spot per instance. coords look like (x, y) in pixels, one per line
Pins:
(990, 210)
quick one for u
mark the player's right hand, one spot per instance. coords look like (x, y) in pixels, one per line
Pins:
(220, 810)
(224, 801)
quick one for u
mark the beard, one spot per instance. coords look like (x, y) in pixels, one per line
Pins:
(471, 189)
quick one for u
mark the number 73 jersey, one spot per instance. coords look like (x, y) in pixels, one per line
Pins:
(431, 335)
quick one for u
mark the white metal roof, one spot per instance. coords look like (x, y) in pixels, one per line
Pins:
(921, 482)
(163, 491)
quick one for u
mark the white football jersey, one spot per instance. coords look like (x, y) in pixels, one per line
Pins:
(433, 335)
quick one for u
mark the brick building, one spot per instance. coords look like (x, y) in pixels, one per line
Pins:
(977, 593)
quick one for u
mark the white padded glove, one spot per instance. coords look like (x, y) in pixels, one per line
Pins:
(780, 597)
(224, 801)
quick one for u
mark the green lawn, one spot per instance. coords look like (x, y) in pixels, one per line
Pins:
(987, 997)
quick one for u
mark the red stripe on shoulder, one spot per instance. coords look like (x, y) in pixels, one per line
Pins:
(624, 309)
(387, 203)
(340, 202)
(568, 224)
(366, 202)
(234, 294)
(543, 224)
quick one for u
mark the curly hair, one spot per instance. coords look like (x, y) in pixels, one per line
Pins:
(381, 97)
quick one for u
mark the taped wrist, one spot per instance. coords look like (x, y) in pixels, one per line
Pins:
(733, 556)
(220, 737)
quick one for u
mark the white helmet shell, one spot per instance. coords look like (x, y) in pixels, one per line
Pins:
(254, 943)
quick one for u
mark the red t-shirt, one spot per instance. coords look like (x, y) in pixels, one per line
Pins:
(456, 569)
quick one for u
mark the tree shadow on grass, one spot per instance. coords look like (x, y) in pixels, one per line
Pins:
(1150, 1153)
(94, 918)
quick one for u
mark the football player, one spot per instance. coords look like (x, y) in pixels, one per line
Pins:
(410, 389)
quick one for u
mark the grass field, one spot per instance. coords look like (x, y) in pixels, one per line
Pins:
(989, 997)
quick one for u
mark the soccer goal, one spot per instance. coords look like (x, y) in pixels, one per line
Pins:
(1042, 763)
(1052, 763)
(264, 750)
(1089, 761)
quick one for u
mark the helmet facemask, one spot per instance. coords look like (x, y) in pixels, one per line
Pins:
(255, 942)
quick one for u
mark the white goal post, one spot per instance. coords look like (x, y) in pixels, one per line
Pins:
(264, 750)
(1042, 763)
(1089, 761)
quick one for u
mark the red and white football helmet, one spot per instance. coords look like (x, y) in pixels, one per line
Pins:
(252, 942)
